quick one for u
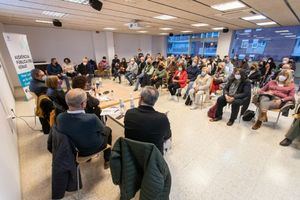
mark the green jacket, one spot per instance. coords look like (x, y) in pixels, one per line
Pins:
(160, 73)
(149, 69)
(138, 165)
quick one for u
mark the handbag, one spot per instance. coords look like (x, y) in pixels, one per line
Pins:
(211, 113)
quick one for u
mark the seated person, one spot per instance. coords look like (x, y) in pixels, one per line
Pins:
(218, 79)
(37, 84)
(68, 68)
(120, 68)
(274, 95)
(86, 131)
(56, 94)
(131, 71)
(171, 69)
(237, 92)
(92, 104)
(192, 71)
(103, 64)
(55, 69)
(294, 131)
(146, 74)
(254, 74)
(86, 69)
(178, 81)
(200, 87)
(144, 124)
(159, 73)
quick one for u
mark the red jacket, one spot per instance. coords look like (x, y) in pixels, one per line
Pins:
(285, 93)
(182, 78)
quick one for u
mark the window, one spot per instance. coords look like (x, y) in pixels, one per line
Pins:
(275, 42)
(204, 44)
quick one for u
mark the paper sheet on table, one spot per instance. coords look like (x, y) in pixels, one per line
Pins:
(104, 98)
(113, 111)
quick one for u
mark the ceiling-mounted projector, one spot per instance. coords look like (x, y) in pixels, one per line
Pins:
(134, 25)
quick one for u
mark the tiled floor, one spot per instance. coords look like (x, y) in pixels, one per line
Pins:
(208, 161)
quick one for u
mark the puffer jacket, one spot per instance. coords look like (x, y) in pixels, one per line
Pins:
(137, 165)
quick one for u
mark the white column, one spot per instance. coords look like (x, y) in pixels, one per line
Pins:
(110, 45)
(224, 42)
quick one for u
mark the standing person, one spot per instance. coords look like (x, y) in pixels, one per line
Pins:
(86, 131)
(115, 64)
(178, 81)
(55, 69)
(144, 124)
(158, 75)
(269, 67)
(228, 69)
(237, 92)
(68, 68)
(131, 71)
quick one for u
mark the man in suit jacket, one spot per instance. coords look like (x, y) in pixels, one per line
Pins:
(144, 124)
(86, 131)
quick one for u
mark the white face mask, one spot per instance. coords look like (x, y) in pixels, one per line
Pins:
(237, 76)
(194, 64)
(180, 69)
(44, 78)
(203, 73)
(281, 78)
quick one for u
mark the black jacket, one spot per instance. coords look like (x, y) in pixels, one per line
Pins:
(255, 77)
(92, 105)
(243, 91)
(58, 97)
(63, 164)
(38, 87)
(141, 67)
(144, 124)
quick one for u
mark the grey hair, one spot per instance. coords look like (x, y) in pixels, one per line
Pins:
(149, 95)
(75, 97)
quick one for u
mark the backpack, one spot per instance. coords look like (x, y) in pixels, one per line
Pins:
(248, 115)
(211, 113)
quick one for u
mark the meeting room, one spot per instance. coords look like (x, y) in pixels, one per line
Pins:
(150, 99)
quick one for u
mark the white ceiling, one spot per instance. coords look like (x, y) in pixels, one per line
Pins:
(116, 13)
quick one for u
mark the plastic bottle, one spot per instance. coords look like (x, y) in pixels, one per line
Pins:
(122, 107)
(112, 95)
(131, 101)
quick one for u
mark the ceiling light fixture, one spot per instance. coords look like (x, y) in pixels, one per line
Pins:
(85, 2)
(163, 33)
(286, 33)
(288, 36)
(218, 28)
(54, 14)
(43, 21)
(228, 6)
(266, 23)
(165, 29)
(165, 17)
(186, 31)
(282, 31)
(109, 28)
(199, 25)
(142, 31)
(254, 17)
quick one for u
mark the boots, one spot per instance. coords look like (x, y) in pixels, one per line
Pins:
(257, 125)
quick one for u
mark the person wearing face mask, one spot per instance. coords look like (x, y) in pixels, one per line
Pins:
(192, 71)
(269, 67)
(55, 69)
(228, 69)
(131, 71)
(37, 84)
(115, 64)
(178, 81)
(237, 92)
(86, 69)
(143, 79)
(254, 74)
(200, 87)
(158, 75)
(274, 95)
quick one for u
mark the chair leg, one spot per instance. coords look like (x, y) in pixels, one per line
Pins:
(277, 119)
(78, 183)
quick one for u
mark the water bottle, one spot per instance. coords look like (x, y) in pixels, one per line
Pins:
(100, 82)
(122, 107)
(97, 84)
(131, 101)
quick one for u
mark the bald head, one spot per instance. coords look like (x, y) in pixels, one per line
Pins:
(76, 99)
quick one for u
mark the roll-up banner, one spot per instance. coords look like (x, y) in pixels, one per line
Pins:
(19, 51)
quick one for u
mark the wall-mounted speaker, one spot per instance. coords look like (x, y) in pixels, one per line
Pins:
(96, 4)
(225, 30)
(57, 23)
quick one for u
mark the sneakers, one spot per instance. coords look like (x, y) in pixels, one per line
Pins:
(286, 142)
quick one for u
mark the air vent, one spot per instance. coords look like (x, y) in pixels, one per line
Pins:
(237, 14)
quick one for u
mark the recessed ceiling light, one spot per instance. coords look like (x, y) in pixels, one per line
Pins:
(163, 33)
(282, 31)
(148, 26)
(218, 28)
(286, 33)
(186, 31)
(266, 23)
(199, 24)
(165, 17)
(254, 17)
(142, 31)
(165, 29)
(79, 1)
(290, 36)
(54, 14)
(109, 28)
(228, 6)
(43, 21)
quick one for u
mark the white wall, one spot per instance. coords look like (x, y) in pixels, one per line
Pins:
(224, 42)
(9, 156)
(159, 45)
(100, 45)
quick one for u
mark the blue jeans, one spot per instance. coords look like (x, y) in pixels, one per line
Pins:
(139, 80)
(66, 79)
(130, 76)
(189, 87)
